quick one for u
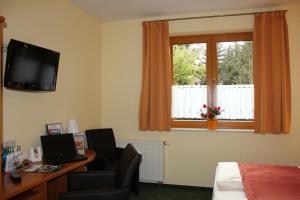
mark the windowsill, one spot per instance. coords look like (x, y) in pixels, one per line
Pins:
(216, 130)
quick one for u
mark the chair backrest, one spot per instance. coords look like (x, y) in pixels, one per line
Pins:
(129, 162)
(102, 141)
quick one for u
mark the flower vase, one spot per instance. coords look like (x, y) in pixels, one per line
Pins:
(211, 124)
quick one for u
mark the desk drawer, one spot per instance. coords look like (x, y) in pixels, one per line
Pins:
(37, 193)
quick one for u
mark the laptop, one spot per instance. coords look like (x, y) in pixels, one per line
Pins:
(60, 149)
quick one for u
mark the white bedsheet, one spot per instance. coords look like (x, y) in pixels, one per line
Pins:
(227, 194)
(230, 178)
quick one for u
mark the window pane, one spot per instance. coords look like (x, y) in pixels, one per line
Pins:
(235, 91)
(189, 90)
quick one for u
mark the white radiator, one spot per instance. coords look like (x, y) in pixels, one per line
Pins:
(153, 157)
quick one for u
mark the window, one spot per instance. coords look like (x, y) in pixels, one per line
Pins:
(214, 70)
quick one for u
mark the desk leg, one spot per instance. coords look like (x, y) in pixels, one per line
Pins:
(56, 186)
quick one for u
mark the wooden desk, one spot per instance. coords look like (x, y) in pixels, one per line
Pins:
(40, 186)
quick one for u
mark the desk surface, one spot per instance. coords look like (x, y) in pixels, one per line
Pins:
(29, 180)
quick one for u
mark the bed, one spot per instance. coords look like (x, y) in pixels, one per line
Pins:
(244, 181)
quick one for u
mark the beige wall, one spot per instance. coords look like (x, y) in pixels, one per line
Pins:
(61, 26)
(193, 155)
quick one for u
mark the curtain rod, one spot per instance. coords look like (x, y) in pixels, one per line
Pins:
(213, 16)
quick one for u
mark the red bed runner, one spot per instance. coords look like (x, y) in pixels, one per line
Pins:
(270, 182)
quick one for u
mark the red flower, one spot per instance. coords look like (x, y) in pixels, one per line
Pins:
(210, 112)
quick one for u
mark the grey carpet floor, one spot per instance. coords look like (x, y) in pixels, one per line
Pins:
(170, 192)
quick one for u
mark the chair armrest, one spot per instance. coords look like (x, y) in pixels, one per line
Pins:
(91, 180)
(119, 151)
(96, 195)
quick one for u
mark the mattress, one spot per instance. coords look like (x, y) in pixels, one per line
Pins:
(227, 194)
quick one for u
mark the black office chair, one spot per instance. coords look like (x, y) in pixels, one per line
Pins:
(105, 185)
(103, 142)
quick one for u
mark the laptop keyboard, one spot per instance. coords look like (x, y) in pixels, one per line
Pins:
(62, 160)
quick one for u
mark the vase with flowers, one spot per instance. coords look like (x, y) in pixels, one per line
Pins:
(210, 114)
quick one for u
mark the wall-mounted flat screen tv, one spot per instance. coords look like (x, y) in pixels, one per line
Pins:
(30, 68)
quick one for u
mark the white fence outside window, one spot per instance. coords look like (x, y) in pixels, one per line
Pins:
(236, 101)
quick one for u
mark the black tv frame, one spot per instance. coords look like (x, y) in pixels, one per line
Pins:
(21, 86)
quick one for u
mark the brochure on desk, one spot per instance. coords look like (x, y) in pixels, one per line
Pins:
(43, 168)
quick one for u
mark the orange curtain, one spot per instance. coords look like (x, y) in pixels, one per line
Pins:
(271, 69)
(155, 99)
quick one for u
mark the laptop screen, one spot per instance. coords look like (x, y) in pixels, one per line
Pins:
(56, 146)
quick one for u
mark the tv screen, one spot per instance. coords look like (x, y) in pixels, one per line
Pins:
(29, 67)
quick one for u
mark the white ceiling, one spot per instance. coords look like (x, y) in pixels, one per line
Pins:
(110, 10)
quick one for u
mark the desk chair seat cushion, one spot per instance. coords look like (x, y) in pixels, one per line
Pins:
(91, 180)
